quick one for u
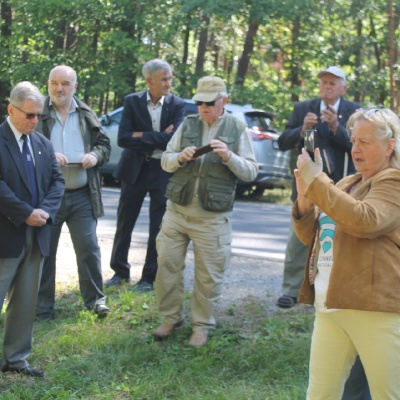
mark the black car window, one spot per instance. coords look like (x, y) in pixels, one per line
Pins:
(262, 121)
(191, 109)
(116, 118)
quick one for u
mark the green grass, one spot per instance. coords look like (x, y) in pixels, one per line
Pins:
(250, 355)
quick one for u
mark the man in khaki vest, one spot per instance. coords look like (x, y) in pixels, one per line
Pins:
(200, 199)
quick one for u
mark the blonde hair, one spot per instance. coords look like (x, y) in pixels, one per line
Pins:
(387, 125)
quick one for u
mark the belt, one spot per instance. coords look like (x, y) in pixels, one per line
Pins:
(75, 190)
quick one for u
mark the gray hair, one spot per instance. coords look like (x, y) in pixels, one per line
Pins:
(152, 66)
(23, 91)
(224, 95)
(387, 125)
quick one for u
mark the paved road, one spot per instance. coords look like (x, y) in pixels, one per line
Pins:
(259, 229)
(260, 232)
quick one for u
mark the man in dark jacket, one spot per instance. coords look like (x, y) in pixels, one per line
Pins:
(148, 122)
(81, 146)
(31, 188)
(325, 118)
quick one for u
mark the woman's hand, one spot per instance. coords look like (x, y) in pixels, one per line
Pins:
(300, 184)
(307, 168)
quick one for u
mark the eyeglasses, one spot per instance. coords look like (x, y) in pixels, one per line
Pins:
(30, 115)
(207, 103)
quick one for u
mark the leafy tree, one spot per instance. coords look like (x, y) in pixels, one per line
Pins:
(268, 52)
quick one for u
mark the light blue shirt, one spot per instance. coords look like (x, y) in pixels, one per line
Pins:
(67, 139)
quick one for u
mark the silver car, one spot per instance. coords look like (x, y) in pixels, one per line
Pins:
(273, 164)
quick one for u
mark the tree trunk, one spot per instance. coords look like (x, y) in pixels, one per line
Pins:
(358, 60)
(6, 21)
(294, 67)
(201, 50)
(185, 54)
(247, 50)
(394, 105)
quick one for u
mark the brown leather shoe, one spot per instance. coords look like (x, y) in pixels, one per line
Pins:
(198, 339)
(165, 329)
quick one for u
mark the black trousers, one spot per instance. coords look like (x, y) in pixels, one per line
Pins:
(356, 387)
(151, 180)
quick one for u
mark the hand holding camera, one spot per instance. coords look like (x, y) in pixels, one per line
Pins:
(202, 150)
(330, 117)
(308, 168)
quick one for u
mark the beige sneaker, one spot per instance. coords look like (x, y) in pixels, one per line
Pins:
(198, 339)
(165, 329)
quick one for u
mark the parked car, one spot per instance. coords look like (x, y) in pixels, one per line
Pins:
(273, 164)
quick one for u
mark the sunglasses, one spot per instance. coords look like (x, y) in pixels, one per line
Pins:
(207, 103)
(30, 115)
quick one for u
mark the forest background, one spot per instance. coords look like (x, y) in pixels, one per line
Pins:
(268, 51)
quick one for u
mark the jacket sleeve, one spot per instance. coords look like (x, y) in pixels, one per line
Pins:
(159, 140)
(341, 137)
(52, 200)
(291, 136)
(304, 226)
(99, 141)
(132, 121)
(169, 158)
(244, 164)
(376, 213)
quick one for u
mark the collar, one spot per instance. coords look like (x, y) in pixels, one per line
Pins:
(161, 101)
(334, 106)
(16, 132)
(74, 105)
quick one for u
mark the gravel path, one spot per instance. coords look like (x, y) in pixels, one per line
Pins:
(247, 278)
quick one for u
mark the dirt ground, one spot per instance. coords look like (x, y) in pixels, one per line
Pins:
(247, 278)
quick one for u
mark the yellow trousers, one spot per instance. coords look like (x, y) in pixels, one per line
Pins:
(338, 337)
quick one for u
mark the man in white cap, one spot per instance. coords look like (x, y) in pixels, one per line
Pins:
(200, 196)
(326, 117)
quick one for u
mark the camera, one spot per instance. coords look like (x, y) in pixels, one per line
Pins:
(202, 150)
(309, 135)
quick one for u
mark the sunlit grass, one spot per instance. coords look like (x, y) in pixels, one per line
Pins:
(250, 355)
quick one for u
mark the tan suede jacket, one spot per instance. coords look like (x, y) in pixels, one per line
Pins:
(366, 247)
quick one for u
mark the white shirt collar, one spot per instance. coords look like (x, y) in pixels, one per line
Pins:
(335, 106)
(17, 134)
(161, 101)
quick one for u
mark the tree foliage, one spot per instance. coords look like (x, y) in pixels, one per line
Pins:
(269, 52)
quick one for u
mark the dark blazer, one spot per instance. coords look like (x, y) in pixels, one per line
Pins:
(15, 195)
(136, 117)
(335, 145)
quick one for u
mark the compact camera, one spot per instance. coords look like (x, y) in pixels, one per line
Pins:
(309, 135)
(202, 150)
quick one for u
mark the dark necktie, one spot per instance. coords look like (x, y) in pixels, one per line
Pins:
(325, 130)
(30, 169)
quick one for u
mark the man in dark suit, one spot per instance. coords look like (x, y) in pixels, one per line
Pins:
(31, 188)
(148, 122)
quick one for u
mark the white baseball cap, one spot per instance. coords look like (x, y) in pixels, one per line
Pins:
(334, 71)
